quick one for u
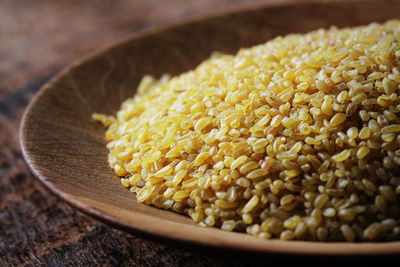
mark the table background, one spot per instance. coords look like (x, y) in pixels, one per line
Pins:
(38, 38)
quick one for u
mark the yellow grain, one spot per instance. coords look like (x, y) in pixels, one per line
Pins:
(297, 138)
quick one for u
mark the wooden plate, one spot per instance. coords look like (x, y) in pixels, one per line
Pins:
(65, 149)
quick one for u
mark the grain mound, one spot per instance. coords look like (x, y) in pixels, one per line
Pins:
(297, 138)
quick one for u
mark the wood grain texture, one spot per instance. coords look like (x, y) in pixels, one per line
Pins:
(65, 148)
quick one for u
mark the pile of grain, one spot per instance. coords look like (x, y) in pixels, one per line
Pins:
(297, 138)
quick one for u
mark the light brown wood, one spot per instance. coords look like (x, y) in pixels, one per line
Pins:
(66, 150)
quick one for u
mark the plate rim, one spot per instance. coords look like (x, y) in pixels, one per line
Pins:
(284, 247)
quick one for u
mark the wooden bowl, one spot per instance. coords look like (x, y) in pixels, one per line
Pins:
(65, 149)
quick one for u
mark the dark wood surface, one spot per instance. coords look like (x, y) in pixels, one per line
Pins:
(38, 38)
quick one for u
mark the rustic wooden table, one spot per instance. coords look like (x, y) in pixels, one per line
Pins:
(38, 38)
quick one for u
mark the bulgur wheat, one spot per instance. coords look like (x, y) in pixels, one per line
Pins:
(297, 138)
